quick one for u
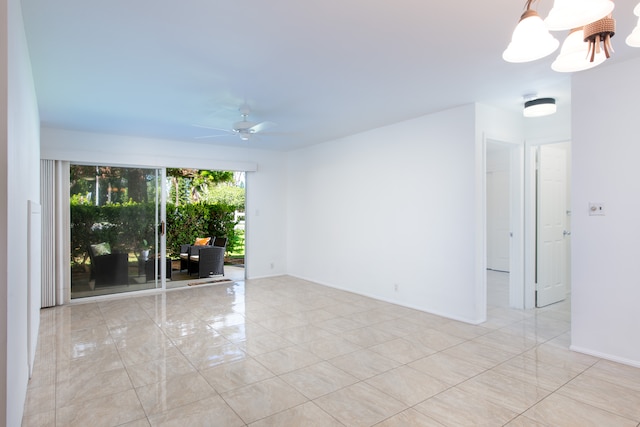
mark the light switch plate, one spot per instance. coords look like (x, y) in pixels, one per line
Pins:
(596, 208)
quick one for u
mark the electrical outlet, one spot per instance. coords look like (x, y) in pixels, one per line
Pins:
(396, 287)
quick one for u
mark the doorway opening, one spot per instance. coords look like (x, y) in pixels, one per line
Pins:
(498, 166)
(504, 164)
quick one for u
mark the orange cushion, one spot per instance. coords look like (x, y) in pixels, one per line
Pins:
(201, 241)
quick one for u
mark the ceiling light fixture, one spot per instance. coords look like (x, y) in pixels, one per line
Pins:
(598, 32)
(574, 54)
(539, 107)
(590, 18)
(531, 40)
(633, 39)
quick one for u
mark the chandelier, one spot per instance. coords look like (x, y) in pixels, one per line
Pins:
(590, 25)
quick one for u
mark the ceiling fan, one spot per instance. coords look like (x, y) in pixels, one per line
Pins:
(243, 128)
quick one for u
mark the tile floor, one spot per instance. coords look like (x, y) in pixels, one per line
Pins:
(286, 352)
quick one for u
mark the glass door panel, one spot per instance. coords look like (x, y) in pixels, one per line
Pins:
(115, 241)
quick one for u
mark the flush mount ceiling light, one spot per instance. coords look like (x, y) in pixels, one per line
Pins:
(568, 14)
(539, 107)
(574, 54)
(531, 40)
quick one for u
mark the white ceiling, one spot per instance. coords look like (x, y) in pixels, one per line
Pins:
(318, 69)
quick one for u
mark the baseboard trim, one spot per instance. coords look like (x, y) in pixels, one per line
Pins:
(610, 357)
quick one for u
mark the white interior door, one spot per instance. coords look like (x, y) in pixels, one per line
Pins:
(498, 220)
(552, 231)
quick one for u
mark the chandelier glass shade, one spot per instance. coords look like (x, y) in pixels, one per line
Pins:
(633, 39)
(574, 54)
(531, 40)
(568, 14)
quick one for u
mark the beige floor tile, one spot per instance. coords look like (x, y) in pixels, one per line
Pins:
(340, 325)
(363, 361)
(43, 419)
(410, 417)
(221, 320)
(604, 394)
(281, 323)
(510, 342)
(344, 309)
(319, 379)
(305, 334)
(624, 375)
(159, 370)
(307, 415)
(287, 359)
(266, 342)
(446, 368)
(408, 385)
(561, 357)
(455, 407)
(263, 399)
(87, 367)
(315, 316)
(85, 388)
(328, 348)
(400, 327)
(560, 411)
(364, 364)
(368, 336)
(68, 349)
(540, 374)
(199, 341)
(211, 411)
(208, 357)
(143, 422)
(435, 339)
(403, 350)
(360, 405)
(371, 317)
(142, 328)
(463, 330)
(182, 329)
(505, 391)
(480, 354)
(230, 376)
(174, 392)
(107, 411)
(152, 350)
(523, 421)
(40, 399)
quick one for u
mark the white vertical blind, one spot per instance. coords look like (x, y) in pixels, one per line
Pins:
(54, 195)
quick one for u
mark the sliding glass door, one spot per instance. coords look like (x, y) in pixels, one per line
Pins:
(116, 234)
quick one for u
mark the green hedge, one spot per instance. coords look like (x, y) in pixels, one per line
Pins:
(187, 222)
(130, 227)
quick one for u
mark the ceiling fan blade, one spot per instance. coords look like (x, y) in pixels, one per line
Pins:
(259, 127)
(209, 136)
(212, 128)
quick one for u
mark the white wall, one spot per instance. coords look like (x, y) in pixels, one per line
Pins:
(392, 206)
(266, 184)
(19, 155)
(605, 151)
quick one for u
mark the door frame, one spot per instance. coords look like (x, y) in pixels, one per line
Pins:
(516, 214)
